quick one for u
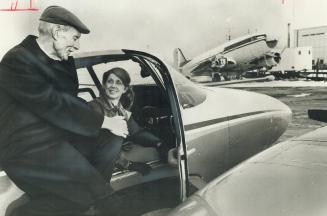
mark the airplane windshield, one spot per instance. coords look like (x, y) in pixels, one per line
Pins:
(189, 94)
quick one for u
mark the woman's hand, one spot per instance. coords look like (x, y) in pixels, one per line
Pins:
(117, 125)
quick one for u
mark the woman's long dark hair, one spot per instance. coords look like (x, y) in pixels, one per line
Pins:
(127, 98)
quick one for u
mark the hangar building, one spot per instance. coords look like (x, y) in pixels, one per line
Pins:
(316, 37)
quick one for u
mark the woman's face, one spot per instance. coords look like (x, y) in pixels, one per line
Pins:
(114, 87)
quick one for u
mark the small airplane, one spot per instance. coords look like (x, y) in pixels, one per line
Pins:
(229, 60)
(289, 178)
(207, 130)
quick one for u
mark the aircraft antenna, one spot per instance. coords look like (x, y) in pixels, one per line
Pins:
(229, 37)
(288, 35)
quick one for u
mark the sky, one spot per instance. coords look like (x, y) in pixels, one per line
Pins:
(160, 26)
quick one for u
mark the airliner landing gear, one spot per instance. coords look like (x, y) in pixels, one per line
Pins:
(215, 77)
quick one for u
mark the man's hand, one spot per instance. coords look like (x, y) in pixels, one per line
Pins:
(117, 125)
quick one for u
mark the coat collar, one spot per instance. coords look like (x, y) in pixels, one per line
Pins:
(30, 43)
(110, 109)
(66, 66)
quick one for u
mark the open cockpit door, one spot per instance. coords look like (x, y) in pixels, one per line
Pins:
(155, 67)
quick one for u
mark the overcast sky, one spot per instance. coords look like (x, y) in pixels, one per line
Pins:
(159, 26)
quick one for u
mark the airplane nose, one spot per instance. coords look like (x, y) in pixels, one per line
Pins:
(280, 118)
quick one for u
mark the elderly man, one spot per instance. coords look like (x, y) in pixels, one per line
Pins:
(51, 145)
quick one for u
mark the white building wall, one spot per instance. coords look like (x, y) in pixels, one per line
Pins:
(295, 59)
(315, 37)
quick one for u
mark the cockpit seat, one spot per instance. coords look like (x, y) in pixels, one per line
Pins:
(137, 153)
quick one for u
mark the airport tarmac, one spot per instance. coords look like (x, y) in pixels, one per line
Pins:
(299, 96)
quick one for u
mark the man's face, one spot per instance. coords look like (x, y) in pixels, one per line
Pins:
(66, 42)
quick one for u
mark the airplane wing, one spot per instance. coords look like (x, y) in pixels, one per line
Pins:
(223, 83)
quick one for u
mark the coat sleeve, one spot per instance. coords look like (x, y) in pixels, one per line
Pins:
(96, 107)
(20, 79)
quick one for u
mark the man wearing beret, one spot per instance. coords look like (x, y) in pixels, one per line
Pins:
(40, 117)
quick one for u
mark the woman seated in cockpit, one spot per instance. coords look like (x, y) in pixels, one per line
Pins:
(117, 101)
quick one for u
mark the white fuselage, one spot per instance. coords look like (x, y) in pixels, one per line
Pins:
(231, 126)
(240, 51)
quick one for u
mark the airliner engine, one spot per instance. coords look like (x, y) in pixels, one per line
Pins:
(268, 60)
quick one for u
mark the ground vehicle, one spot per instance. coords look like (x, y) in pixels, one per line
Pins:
(211, 129)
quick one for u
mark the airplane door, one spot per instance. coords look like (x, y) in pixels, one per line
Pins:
(166, 80)
(179, 130)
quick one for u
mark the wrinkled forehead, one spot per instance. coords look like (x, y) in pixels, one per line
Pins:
(73, 31)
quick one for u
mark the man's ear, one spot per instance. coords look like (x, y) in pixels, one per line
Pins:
(55, 32)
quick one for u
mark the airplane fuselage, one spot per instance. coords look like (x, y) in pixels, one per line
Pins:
(231, 126)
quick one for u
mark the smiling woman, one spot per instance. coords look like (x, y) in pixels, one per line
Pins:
(117, 100)
(116, 83)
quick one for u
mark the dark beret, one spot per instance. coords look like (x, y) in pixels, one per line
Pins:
(62, 16)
